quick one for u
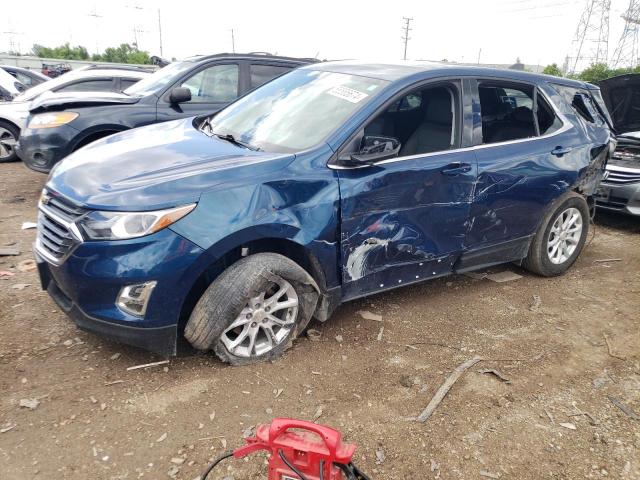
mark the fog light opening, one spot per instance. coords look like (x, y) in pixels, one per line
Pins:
(133, 299)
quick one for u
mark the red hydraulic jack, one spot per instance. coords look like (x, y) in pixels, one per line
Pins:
(311, 452)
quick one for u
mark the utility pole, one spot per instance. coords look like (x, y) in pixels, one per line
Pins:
(95, 15)
(160, 31)
(407, 29)
(626, 53)
(479, 53)
(591, 41)
(233, 42)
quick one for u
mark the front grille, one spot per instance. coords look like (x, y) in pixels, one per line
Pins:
(622, 177)
(57, 234)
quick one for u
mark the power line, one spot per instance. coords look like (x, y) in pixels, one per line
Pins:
(407, 29)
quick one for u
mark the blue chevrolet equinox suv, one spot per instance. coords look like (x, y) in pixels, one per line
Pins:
(335, 181)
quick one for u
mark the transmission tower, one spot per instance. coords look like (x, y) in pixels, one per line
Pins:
(626, 53)
(591, 42)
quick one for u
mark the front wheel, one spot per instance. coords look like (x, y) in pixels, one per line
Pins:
(253, 310)
(560, 237)
(8, 138)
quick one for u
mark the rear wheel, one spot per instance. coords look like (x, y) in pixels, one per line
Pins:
(8, 138)
(560, 237)
(253, 310)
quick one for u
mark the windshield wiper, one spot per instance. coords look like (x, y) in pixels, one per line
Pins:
(231, 139)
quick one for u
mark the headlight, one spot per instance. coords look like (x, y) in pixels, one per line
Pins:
(122, 225)
(53, 119)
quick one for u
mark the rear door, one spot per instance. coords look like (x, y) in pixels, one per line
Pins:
(528, 155)
(212, 88)
(261, 72)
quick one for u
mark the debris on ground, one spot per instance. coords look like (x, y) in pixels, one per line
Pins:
(367, 315)
(314, 335)
(380, 457)
(380, 333)
(145, 365)
(495, 373)
(445, 387)
(625, 408)
(9, 252)
(339, 338)
(484, 473)
(535, 304)
(609, 350)
(30, 403)
(501, 277)
(607, 260)
(568, 425)
(29, 225)
(318, 413)
(6, 273)
(27, 265)
(162, 438)
(476, 275)
(20, 286)
(8, 428)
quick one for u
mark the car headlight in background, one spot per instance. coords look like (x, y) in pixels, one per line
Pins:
(122, 225)
(51, 119)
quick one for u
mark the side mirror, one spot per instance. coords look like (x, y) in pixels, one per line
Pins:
(179, 95)
(375, 148)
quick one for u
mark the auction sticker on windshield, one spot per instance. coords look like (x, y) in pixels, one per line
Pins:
(348, 94)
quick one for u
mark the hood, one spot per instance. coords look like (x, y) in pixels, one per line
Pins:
(57, 101)
(157, 166)
(621, 95)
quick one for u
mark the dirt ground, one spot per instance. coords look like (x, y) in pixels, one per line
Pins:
(570, 357)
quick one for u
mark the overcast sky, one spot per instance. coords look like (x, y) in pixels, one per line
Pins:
(539, 32)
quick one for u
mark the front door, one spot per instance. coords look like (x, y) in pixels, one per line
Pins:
(404, 220)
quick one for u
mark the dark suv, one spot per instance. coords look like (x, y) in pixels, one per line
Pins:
(60, 124)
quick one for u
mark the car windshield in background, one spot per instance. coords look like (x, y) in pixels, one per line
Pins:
(296, 111)
(158, 80)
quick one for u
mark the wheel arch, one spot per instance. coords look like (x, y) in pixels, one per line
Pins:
(298, 253)
(11, 123)
(96, 134)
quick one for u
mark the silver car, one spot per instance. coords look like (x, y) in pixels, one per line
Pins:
(620, 187)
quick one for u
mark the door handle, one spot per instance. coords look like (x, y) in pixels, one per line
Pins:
(560, 151)
(456, 168)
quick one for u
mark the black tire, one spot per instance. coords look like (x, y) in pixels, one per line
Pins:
(15, 132)
(537, 260)
(230, 293)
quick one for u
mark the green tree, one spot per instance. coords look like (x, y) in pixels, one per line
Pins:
(552, 69)
(596, 73)
(124, 53)
(66, 52)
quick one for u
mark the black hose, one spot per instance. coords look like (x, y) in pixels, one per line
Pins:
(322, 469)
(293, 469)
(213, 464)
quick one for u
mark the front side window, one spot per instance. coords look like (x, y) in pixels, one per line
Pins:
(99, 85)
(422, 121)
(217, 84)
(261, 74)
(295, 111)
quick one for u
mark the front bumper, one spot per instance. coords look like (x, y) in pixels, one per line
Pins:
(619, 198)
(42, 148)
(87, 283)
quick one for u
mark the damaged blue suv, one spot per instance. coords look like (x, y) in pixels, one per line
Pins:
(333, 182)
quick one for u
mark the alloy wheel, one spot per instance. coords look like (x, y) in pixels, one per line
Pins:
(7, 143)
(564, 235)
(265, 321)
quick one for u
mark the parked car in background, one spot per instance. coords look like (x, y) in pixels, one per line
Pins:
(333, 182)
(28, 78)
(61, 124)
(9, 87)
(620, 188)
(13, 115)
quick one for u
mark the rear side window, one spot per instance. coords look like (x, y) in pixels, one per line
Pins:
(127, 82)
(513, 112)
(581, 103)
(261, 74)
(101, 85)
(507, 112)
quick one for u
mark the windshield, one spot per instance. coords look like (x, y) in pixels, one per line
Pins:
(295, 111)
(158, 79)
